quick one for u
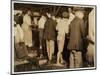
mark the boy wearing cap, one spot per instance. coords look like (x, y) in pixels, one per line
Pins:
(41, 23)
(27, 29)
(50, 34)
(62, 28)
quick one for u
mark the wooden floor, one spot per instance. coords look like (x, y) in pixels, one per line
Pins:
(35, 64)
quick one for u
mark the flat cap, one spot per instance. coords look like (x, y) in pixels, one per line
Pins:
(78, 9)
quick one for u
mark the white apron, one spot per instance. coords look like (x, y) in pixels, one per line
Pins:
(27, 30)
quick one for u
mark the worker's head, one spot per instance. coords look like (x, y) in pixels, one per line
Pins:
(65, 14)
(79, 12)
(70, 10)
(29, 12)
(53, 16)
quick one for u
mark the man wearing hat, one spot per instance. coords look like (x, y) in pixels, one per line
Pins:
(50, 34)
(77, 33)
(41, 23)
(27, 29)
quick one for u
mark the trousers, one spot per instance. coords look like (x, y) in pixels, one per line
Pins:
(75, 59)
(60, 49)
(50, 48)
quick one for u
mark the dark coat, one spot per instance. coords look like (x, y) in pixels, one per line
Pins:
(77, 33)
(50, 29)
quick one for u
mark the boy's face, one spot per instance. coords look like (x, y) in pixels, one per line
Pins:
(29, 12)
(70, 10)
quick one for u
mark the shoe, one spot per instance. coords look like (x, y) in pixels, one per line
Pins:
(59, 64)
(63, 62)
(40, 47)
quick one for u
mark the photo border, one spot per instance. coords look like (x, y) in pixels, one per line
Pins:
(58, 70)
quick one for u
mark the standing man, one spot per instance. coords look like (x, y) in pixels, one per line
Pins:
(41, 23)
(50, 35)
(26, 26)
(77, 33)
(18, 40)
(62, 28)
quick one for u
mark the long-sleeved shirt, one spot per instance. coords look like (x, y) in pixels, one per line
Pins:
(62, 28)
(50, 29)
(77, 33)
(41, 23)
(27, 20)
(63, 24)
(18, 33)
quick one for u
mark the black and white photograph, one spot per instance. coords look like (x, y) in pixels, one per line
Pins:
(49, 37)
